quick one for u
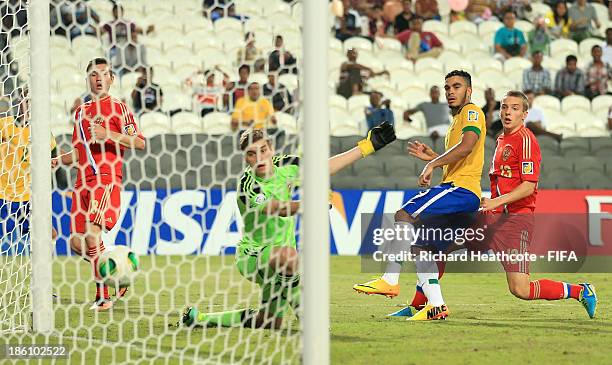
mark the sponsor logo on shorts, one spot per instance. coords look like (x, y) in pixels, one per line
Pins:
(527, 168)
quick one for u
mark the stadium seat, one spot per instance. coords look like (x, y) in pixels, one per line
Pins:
(186, 128)
(584, 48)
(548, 145)
(556, 163)
(524, 26)
(592, 128)
(287, 122)
(85, 42)
(560, 179)
(388, 44)
(516, 63)
(217, 123)
(428, 64)
(458, 64)
(487, 63)
(394, 61)
(184, 118)
(56, 41)
(224, 24)
(563, 46)
(338, 101)
(448, 43)
(449, 55)
(339, 116)
(341, 130)
(414, 96)
(588, 163)
(435, 26)
(601, 147)
(276, 7)
(538, 9)
(358, 102)
(403, 78)
(601, 102)
(574, 147)
(346, 182)
(361, 44)
(551, 63)
(471, 42)
(591, 179)
(462, 26)
(213, 57)
(574, 102)
(370, 60)
(548, 102)
(489, 28)
(335, 43)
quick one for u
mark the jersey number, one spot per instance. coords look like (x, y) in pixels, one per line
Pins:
(505, 171)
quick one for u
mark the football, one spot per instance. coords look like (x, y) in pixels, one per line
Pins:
(117, 266)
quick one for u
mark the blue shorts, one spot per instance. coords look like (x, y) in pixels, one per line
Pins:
(441, 208)
(14, 225)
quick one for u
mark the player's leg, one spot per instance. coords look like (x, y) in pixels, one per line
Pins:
(276, 271)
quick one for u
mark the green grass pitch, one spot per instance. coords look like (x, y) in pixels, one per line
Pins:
(487, 324)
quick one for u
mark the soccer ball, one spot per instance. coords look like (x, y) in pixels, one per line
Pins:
(117, 266)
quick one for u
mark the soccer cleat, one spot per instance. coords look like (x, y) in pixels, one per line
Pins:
(430, 313)
(121, 292)
(588, 298)
(378, 286)
(190, 314)
(404, 312)
(101, 304)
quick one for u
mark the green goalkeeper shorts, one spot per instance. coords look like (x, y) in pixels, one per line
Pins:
(254, 265)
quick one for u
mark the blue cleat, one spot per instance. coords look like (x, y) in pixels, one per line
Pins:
(588, 298)
(404, 312)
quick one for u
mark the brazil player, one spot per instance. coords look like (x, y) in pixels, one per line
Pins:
(15, 178)
(267, 253)
(104, 128)
(514, 174)
(458, 194)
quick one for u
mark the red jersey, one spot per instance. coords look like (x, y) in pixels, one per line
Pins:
(516, 159)
(97, 160)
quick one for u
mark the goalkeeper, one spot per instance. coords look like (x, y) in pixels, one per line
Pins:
(267, 253)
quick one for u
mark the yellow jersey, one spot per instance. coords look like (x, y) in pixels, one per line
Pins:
(466, 172)
(15, 160)
(258, 111)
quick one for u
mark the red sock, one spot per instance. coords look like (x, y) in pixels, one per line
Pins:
(441, 268)
(419, 300)
(94, 253)
(553, 290)
(101, 288)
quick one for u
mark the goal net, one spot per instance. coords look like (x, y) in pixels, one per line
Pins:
(188, 76)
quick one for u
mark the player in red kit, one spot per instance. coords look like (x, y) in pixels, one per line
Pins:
(514, 174)
(104, 128)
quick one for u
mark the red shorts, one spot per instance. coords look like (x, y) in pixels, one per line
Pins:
(95, 203)
(512, 233)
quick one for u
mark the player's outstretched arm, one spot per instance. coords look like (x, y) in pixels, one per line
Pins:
(525, 189)
(453, 154)
(378, 137)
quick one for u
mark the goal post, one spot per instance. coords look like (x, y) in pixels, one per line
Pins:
(43, 317)
(315, 247)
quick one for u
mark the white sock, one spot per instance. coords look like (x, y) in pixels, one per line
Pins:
(393, 269)
(427, 273)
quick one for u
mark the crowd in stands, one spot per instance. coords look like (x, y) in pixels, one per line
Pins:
(576, 20)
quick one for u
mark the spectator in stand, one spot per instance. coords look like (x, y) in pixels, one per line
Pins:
(491, 110)
(352, 74)
(582, 16)
(597, 74)
(536, 120)
(419, 44)
(379, 110)
(127, 58)
(402, 20)
(278, 94)
(147, 96)
(607, 47)
(538, 37)
(237, 89)
(79, 19)
(436, 114)
(427, 9)
(479, 11)
(509, 41)
(250, 55)
(519, 7)
(120, 30)
(206, 92)
(570, 80)
(377, 25)
(280, 60)
(349, 24)
(558, 20)
(537, 78)
(253, 111)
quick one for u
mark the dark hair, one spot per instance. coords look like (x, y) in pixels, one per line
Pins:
(249, 34)
(595, 46)
(417, 17)
(537, 52)
(557, 17)
(254, 83)
(98, 61)
(522, 95)
(608, 30)
(243, 66)
(251, 136)
(117, 7)
(466, 76)
(508, 11)
(571, 58)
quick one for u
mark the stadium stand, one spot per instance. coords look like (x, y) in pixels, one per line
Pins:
(187, 42)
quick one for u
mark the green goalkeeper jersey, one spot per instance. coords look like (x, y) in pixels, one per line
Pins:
(261, 229)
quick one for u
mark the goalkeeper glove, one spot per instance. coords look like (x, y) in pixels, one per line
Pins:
(378, 137)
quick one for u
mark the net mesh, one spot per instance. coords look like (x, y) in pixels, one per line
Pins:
(183, 79)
